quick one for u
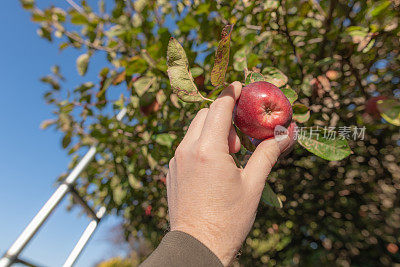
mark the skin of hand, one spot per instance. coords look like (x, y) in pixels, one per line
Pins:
(209, 197)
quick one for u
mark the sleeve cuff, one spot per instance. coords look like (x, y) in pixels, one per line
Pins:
(180, 249)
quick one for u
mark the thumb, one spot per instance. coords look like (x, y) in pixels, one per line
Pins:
(263, 159)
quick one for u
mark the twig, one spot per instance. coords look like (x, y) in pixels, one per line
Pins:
(149, 58)
(318, 7)
(99, 30)
(327, 26)
(349, 10)
(286, 32)
(76, 6)
(89, 44)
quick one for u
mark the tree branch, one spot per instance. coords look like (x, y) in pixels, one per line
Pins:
(327, 25)
(76, 6)
(290, 40)
(89, 44)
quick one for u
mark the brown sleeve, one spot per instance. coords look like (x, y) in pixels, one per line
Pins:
(180, 249)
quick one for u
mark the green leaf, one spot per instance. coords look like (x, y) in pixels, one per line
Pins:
(327, 148)
(390, 110)
(45, 32)
(47, 123)
(179, 76)
(63, 46)
(56, 71)
(290, 93)
(188, 23)
(136, 65)
(118, 194)
(120, 103)
(324, 62)
(78, 18)
(82, 63)
(107, 82)
(38, 16)
(239, 59)
(27, 4)
(139, 5)
(306, 85)
(274, 76)
(380, 8)
(253, 60)
(203, 8)
(221, 57)
(119, 78)
(270, 198)
(66, 140)
(51, 81)
(271, 4)
(369, 46)
(165, 139)
(301, 113)
(254, 77)
(245, 141)
(84, 87)
(143, 84)
(196, 71)
(357, 33)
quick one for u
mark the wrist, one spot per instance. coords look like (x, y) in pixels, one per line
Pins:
(224, 253)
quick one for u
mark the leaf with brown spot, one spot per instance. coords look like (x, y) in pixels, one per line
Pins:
(301, 113)
(253, 77)
(119, 78)
(330, 149)
(274, 76)
(181, 80)
(221, 57)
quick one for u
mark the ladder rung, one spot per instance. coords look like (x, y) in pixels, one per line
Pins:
(83, 203)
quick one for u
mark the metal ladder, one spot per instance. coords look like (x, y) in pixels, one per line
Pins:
(13, 253)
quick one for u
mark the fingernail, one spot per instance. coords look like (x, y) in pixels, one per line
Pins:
(281, 135)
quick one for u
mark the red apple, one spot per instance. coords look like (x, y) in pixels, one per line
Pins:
(371, 106)
(260, 108)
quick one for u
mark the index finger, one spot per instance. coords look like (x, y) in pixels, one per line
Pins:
(219, 117)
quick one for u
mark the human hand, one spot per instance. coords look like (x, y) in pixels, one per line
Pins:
(209, 197)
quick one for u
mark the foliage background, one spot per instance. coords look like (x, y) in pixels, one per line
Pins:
(337, 55)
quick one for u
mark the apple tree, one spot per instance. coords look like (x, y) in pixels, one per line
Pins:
(331, 201)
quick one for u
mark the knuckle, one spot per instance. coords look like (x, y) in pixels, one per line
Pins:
(171, 164)
(180, 152)
(221, 102)
(203, 110)
(202, 152)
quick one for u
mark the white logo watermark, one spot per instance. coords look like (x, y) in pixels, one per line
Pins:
(328, 133)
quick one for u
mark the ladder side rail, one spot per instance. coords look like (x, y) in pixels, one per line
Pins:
(84, 239)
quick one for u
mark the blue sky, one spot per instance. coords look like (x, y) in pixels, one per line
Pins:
(30, 158)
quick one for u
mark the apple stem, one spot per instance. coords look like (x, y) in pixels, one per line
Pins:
(207, 99)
